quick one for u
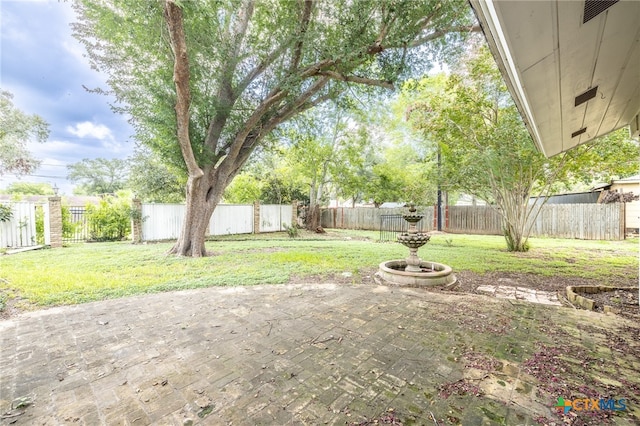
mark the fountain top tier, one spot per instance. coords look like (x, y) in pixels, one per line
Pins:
(412, 238)
(412, 217)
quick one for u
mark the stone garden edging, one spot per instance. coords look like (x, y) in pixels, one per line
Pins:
(585, 302)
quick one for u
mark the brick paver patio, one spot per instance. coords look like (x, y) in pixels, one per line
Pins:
(300, 354)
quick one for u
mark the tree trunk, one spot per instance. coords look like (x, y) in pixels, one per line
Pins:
(313, 221)
(203, 195)
(514, 224)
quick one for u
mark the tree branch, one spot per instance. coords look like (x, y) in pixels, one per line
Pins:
(304, 25)
(295, 106)
(300, 105)
(173, 18)
(275, 96)
(254, 73)
(355, 79)
(285, 115)
(226, 95)
(439, 33)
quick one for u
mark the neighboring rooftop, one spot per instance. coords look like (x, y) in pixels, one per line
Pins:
(71, 200)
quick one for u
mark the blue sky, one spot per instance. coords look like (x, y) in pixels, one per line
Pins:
(43, 66)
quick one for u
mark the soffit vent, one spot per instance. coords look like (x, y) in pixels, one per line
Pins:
(593, 8)
(578, 132)
(589, 94)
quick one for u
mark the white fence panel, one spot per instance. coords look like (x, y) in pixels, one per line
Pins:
(231, 219)
(20, 231)
(164, 221)
(272, 216)
(161, 221)
(632, 212)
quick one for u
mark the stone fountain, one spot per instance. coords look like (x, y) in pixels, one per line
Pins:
(413, 271)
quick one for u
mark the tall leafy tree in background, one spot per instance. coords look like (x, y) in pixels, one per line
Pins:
(29, 188)
(354, 171)
(205, 81)
(318, 147)
(392, 165)
(269, 178)
(16, 130)
(153, 180)
(487, 151)
(99, 176)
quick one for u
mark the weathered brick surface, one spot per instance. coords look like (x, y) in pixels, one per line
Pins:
(136, 221)
(272, 355)
(55, 221)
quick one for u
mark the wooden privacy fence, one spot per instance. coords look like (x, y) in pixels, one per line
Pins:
(367, 218)
(473, 220)
(581, 221)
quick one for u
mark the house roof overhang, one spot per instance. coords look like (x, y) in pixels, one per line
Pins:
(573, 76)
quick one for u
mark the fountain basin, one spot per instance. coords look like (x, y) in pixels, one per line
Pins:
(432, 274)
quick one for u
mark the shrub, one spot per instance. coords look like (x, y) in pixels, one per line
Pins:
(110, 220)
(292, 231)
(6, 213)
(69, 227)
(39, 225)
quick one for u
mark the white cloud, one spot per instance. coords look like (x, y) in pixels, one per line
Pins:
(113, 147)
(75, 49)
(86, 128)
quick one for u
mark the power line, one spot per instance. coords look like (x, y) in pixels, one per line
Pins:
(40, 176)
(53, 165)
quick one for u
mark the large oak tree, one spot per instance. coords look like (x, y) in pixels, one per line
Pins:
(205, 81)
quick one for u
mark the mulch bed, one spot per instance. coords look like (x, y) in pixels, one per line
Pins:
(623, 300)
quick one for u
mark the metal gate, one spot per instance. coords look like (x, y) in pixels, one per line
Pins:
(77, 228)
(393, 224)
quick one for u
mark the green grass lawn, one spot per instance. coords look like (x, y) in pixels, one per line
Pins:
(87, 272)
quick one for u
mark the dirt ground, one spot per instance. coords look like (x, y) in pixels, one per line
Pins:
(468, 282)
(624, 300)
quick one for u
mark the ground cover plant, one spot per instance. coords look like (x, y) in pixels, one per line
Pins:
(88, 272)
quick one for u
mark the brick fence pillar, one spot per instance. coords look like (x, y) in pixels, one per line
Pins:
(256, 217)
(55, 221)
(136, 221)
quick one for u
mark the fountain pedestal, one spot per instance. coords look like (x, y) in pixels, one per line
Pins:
(413, 261)
(413, 271)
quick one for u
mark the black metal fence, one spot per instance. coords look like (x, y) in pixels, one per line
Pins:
(393, 224)
(77, 228)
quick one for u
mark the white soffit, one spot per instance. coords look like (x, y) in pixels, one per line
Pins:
(549, 57)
